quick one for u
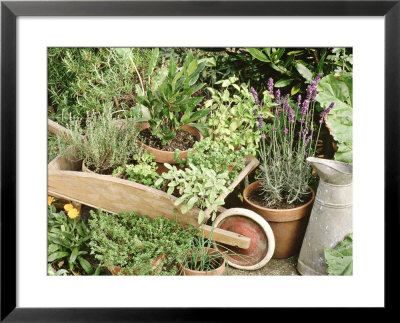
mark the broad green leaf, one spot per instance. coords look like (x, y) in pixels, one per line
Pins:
(153, 60)
(340, 119)
(57, 255)
(73, 256)
(283, 82)
(258, 54)
(198, 115)
(295, 89)
(184, 208)
(304, 71)
(85, 265)
(340, 258)
(53, 247)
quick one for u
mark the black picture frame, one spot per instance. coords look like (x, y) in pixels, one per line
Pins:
(10, 10)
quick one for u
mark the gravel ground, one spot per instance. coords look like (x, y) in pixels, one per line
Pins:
(275, 267)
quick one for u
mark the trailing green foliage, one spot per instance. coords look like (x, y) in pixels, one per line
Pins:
(340, 258)
(170, 103)
(52, 147)
(107, 144)
(143, 172)
(86, 79)
(232, 118)
(133, 242)
(67, 240)
(340, 118)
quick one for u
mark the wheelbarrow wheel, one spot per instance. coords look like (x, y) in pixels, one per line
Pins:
(252, 225)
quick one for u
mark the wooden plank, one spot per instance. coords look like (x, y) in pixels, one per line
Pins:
(116, 195)
(226, 237)
(57, 129)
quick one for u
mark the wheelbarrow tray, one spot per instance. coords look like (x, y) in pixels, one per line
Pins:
(114, 195)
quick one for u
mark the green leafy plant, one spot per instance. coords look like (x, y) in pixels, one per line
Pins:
(133, 242)
(107, 144)
(67, 240)
(216, 155)
(170, 104)
(232, 119)
(296, 67)
(342, 59)
(86, 79)
(196, 186)
(340, 120)
(143, 172)
(340, 258)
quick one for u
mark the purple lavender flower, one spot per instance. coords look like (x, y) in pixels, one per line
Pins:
(309, 92)
(321, 121)
(286, 97)
(278, 96)
(328, 109)
(260, 122)
(286, 131)
(298, 101)
(305, 133)
(305, 106)
(270, 86)
(255, 95)
(255, 112)
(262, 136)
(305, 153)
(302, 120)
(292, 115)
(286, 106)
(307, 141)
(274, 129)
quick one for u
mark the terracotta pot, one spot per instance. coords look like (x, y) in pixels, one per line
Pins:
(288, 225)
(116, 269)
(168, 156)
(215, 272)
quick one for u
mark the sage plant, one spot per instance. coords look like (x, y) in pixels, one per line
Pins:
(285, 146)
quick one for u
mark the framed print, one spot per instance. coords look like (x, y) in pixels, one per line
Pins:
(262, 50)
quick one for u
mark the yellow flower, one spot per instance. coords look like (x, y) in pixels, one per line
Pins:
(50, 200)
(73, 213)
(68, 207)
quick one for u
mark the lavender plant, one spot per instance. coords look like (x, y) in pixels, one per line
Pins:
(286, 144)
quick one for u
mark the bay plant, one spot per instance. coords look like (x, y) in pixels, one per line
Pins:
(170, 103)
(286, 143)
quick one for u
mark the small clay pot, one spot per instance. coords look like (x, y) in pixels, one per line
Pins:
(288, 225)
(116, 269)
(168, 156)
(215, 272)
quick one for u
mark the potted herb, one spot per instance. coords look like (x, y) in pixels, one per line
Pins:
(171, 110)
(232, 119)
(202, 259)
(129, 244)
(282, 194)
(105, 145)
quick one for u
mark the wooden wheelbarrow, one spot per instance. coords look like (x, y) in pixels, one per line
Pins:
(114, 195)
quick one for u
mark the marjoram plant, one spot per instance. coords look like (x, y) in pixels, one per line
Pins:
(285, 173)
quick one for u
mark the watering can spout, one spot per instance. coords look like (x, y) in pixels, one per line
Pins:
(331, 171)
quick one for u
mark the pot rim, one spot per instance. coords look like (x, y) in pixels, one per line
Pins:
(146, 125)
(252, 185)
(207, 272)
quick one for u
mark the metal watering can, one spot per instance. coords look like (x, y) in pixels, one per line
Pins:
(331, 216)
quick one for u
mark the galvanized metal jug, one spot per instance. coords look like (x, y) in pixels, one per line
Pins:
(331, 216)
